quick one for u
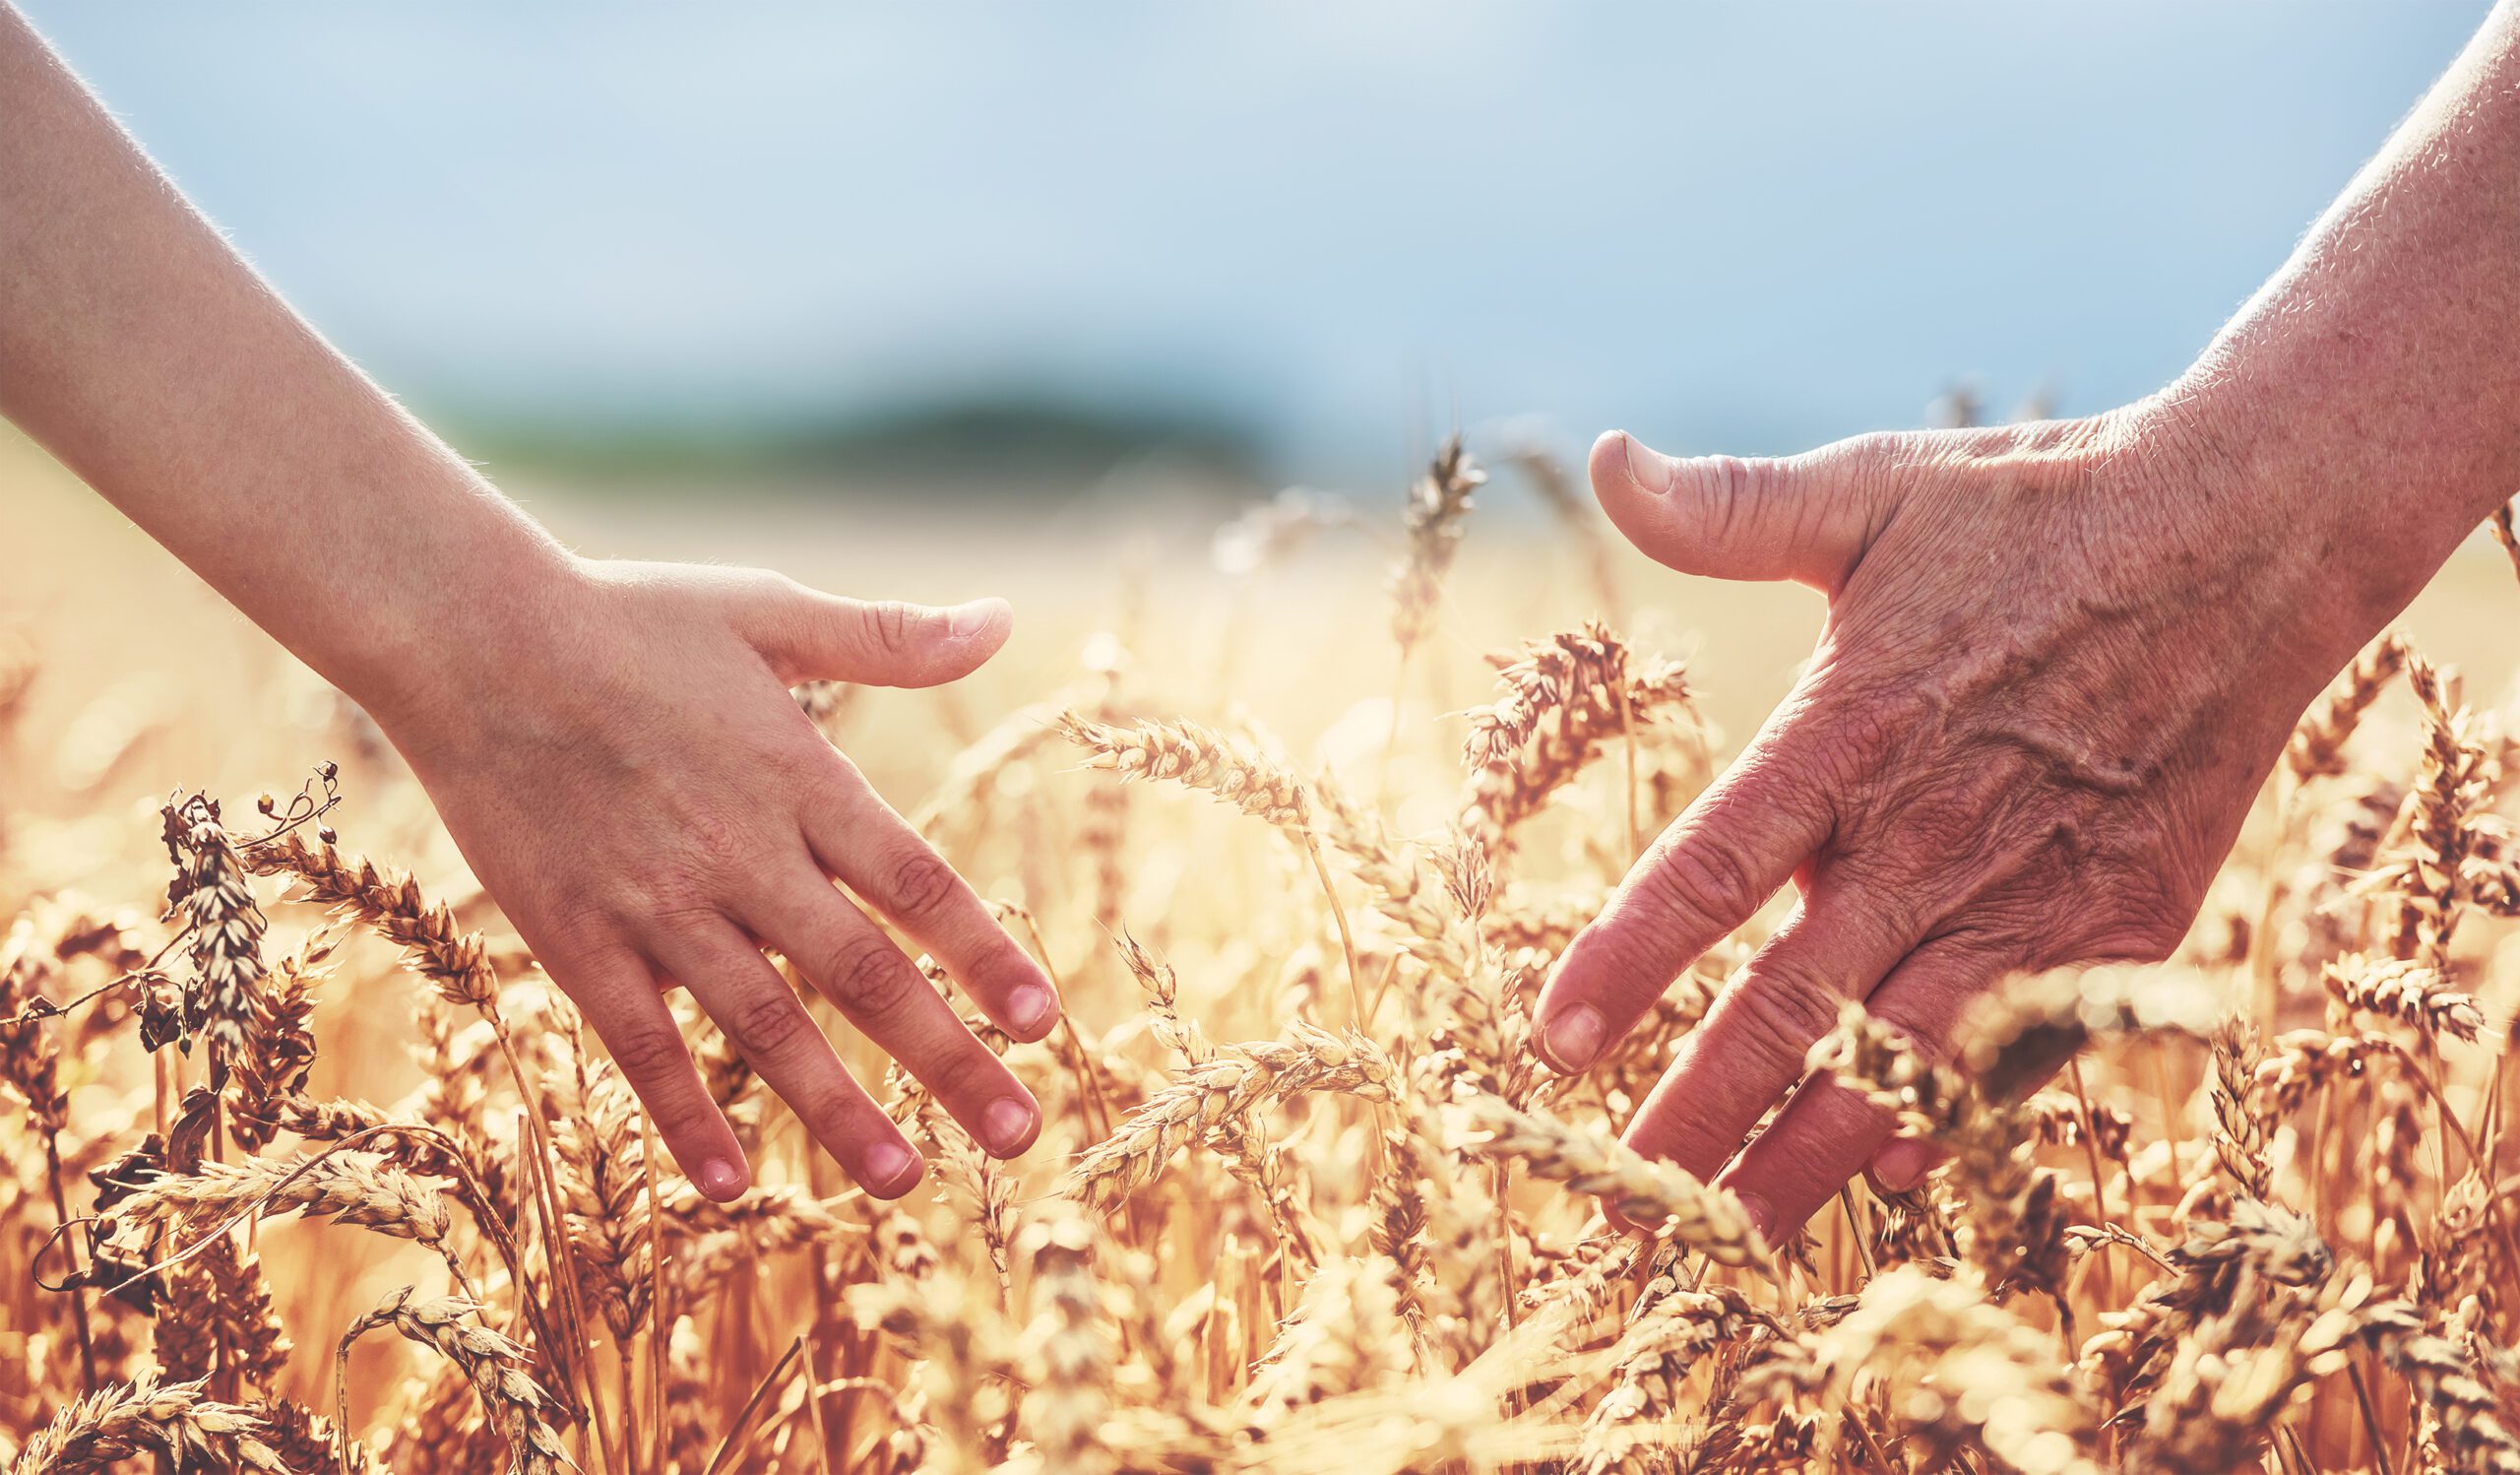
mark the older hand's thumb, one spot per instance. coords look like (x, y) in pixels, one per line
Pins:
(1802, 517)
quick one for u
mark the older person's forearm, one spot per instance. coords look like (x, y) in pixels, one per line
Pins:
(2375, 379)
(138, 348)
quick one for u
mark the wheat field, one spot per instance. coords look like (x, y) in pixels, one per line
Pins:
(308, 1169)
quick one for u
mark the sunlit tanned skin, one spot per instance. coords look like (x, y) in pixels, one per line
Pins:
(2060, 659)
(612, 745)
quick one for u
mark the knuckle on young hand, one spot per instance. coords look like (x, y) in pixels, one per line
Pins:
(647, 1056)
(952, 1064)
(919, 886)
(828, 1110)
(890, 625)
(667, 900)
(768, 1022)
(868, 976)
(715, 844)
(765, 586)
(1004, 964)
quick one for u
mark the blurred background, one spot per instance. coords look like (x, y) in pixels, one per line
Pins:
(938, 300)
(1280, 243)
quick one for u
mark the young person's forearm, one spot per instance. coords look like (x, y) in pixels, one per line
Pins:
(2376, 378)
(141, 351)
(613, 749)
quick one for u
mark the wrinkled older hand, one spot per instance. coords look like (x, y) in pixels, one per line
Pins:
(2058, 661)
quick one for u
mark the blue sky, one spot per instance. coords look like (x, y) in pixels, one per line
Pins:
(1742, 227)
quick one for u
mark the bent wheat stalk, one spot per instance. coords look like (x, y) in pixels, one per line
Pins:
(1649, 1192)
(176, 1419)
(1203, 759)
(495, 1366)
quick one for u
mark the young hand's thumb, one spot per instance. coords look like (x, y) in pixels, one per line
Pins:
(811, 635)
(1803, 517)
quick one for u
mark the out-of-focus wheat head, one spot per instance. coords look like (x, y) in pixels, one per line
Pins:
(1305, 1201)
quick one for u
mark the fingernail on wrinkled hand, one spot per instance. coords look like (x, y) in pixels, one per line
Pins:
(1573, 1038)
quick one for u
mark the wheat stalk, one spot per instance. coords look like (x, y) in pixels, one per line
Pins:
(117, 1422)
(1651, 1193)
(495, 1366)
(1439, 505)
(1213, 1098)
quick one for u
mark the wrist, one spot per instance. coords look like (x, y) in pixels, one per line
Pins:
(2314, 466)
(475, 606)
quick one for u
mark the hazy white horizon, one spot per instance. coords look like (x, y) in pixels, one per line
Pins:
(1744, 226)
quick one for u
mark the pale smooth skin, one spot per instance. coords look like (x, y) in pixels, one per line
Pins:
(612, 745)
(2060, 659)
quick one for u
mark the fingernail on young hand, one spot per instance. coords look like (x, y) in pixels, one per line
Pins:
(1649, 468)
(1031, 1010)
(1006, 1127)
(1572, 1039)
(975, 618)
(891, 1168)
(1901, 1165)
(720, 1179)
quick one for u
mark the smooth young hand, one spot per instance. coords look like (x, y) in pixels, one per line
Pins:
(632, 781)
(612, 745)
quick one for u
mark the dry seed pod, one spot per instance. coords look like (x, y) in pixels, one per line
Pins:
(2405, 991)
(2317, 746)
(1565, 701)
(355, 1187)
(1198, 757)
(225, 921)
(1212, 1099)
(456, 961)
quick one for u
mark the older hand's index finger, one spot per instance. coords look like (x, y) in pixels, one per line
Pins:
(1715, 866)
